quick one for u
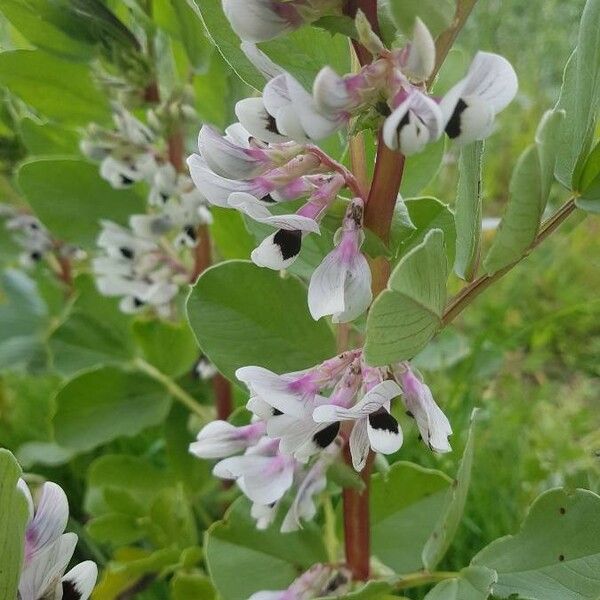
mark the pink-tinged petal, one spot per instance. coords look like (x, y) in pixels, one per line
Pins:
(43, 573)
(49, 522)
(420, 58)
(227, 159)
(384, 433)
(252, 114)
(259, 20)
(220, 439)
(357, 290)
(79, 582)
(270, 595)
(359, 444)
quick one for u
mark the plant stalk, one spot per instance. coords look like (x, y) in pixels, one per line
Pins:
(476, 287)
(423, 578)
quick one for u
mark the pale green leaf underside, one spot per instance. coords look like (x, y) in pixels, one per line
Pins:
(474, 583)
(555, 555)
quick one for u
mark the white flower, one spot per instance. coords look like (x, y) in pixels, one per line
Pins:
(420, 55)
(374, 428)
(470, 106)
(431, 421)
(48, 551)
(415, 122)
(219, 439)
(341, 284)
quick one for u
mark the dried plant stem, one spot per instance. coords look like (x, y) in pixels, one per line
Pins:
(471, 291)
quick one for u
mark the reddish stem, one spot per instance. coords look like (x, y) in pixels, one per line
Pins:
(177, 150)
(357, 535)
(151, 93)
(202, 253)
(223, 397)
(352, 183)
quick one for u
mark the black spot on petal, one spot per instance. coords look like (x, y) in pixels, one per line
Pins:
(126, 180)
(289, 242)
(69, 591)
(276, 412)
(271, 124)
(35, 256)
(126, 252)
(409, 414)
(324, 437)
(453, 128)
(137, 302)
(383, 109)
(190, 232)
(268, 198)
(382, 420)
(164, 197)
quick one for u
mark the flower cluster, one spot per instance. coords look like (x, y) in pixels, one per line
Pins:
(48, 550)
(299, 419)
(146, 264)
(267, 158)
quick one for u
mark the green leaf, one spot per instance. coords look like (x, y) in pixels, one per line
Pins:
(171, 514)
(242, 560)
(100, 405)
(192, 585)
(421, 168)
(229, 234)
(521, 220)
(57, 88)
(547, 139)
(23, 319)
(170, 347)
(210, 12)
(406, 315)
(244, 315)
(436, 14)
(58, 189)
(212, 90)
(48, 138)
(13, 520)
(304, 52)
(368, 590)
(192, 33)
(446, 350)
(115, 529)
(415, 217)
(84, 341)
(451, 514)
(589, 183)
(467, 212)
(555, 555)
(406, 501)
(474, 583)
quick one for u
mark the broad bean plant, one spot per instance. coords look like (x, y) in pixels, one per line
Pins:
(222, 281)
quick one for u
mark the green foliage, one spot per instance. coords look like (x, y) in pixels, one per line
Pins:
(556, 554)
(244, 315)
(13, 519)
(103, 404)
(405, 503)
(407, 314)
(474, 583)
(421, 168)
(589, 182)
(242, 560)
(436, 14)
(56, 189)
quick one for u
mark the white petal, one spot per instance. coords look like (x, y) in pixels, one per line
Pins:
(260, 408)
(268, 595)
(238, 134)
(357, 290)
(303, 506)
(23, 487)
(50, 519)
(279, 250)
(359, 444)
(384, 432)
(289, 124)
(264, 515)
(150, 226)
(329, 92)
(276, 95)
(160, 293)
(471, 120)
(240, 466)
(271, 485)
(255, 20)
(326, 288)
(492, 78)
(81, 579)
(218, 439)
(404, 132)
(260, 60)
(252, 114)
(421, 54)
(316, 125)
(257, 211)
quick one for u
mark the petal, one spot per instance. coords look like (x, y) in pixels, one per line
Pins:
(326, 288)
(50, 520)
(357, 290)
(259, 408)
(384, 433)
(472, 119)
(257, 21)
(261, 61)
(279, 250)
(44, 572)
(330, 92)
(289, 124)
(359, 444)
(404, 132)
(269, 595)
(218, 439)
(264, 515)
(421, 53)
(252, 114)
(79, 582)
(241, 466)
(227, 159)
(270, 485)
(21, 485)
(276, 95)
(303, 506)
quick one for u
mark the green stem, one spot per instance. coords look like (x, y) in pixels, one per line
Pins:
(174, 389)
(329, 533)
(423, 578)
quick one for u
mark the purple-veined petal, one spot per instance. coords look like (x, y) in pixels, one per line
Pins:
(252, 114)
(359, 444)
(330, 92)
(220, 439)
